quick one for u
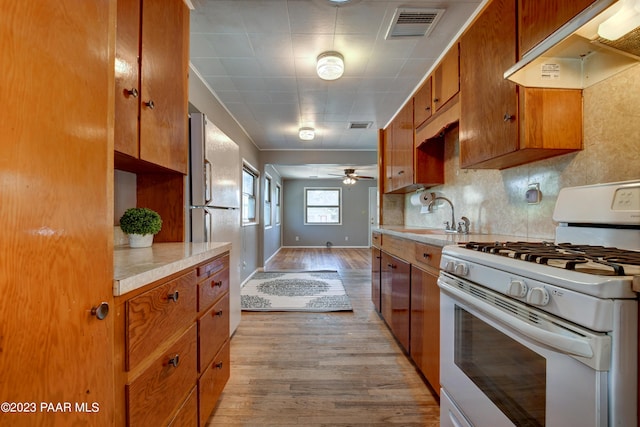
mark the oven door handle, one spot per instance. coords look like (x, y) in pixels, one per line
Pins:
(566, 344)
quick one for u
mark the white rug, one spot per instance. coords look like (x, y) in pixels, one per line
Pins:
(313, 291)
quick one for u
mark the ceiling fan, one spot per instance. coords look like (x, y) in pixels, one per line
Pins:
(351, 177)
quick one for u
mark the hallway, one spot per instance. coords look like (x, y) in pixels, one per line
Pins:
(323, 369)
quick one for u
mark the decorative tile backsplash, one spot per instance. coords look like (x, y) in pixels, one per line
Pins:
(495, 201)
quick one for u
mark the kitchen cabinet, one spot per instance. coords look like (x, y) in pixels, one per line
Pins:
(399, 151)
(537, 19)
(425, 313)
(151, 117)
(56, 267)
(503, 125)
(407, 168)
(439, 88)
(395, 296)
(376, 260)
(172, 347)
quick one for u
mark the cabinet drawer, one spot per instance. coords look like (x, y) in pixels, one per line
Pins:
(213, 331)
(157, 392)
(215, 283)
(427, 255)
(212, 267)
(376, 240)
(157, 314)
(187, 415)
(397, 246)
(212, 383)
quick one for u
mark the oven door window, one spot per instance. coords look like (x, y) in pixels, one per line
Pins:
(508, 373)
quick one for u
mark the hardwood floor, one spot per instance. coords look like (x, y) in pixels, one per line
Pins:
(323, 369)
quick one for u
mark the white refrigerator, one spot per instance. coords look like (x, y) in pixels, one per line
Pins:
(214, 205)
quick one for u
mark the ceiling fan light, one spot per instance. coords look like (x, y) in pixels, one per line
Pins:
(306, 133)
(330, 65)
(348, 180)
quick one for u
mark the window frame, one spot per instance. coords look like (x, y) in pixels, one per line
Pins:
(339, 205)
(278, 200)
(268, 212)
(249, 169)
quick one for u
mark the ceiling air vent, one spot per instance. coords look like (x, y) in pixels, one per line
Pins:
(360, 125)
(411, 22)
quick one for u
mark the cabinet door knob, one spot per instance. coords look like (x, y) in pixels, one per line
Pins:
(427, 108)
(219, 365)
(216, 283)
(426, 255)
(173, 296)
(507, 117)
(150, 104)
(436, 100)
(219, 313)
(175, 361)
(133, 92)
(391, 266)
(100, 311)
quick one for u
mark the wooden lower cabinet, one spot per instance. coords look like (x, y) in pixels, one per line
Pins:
(395, 290)
(376, 258)
(410, 299)
(172, 347)
(425, 325)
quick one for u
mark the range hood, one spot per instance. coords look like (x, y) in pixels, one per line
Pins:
(576, 56)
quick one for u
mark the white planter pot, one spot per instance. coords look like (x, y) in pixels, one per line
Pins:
(140, 240)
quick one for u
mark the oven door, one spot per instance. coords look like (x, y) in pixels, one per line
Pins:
(504, 363)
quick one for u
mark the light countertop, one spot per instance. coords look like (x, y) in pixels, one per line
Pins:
(134, 268)
(439, 237)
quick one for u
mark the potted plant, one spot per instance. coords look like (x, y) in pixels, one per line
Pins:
(141, 224)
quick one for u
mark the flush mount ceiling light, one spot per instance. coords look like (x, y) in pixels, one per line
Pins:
(306, 133)
(330, 65)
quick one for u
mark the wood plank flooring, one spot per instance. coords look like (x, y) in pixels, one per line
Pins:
(323, 369)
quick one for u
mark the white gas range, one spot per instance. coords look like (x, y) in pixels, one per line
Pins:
(546, 333)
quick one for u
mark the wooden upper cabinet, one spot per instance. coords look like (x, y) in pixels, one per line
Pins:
(152, 49)
(446, 78)
(502, 125)
(422, 103)
(402, 168)
(538, 19)
(442, 85)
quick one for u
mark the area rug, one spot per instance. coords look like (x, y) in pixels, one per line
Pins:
(313, 291)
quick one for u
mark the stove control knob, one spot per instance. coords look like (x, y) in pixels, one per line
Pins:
(449, 266)
(461, 269)
(517, 288)
(538, 296)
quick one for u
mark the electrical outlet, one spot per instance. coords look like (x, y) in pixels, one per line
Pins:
(297, 238)
(346, 238)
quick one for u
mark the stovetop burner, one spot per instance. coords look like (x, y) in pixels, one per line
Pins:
(588, 259)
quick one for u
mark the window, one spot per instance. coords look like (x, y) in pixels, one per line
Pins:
(322, 205)
(267, 201)
(249, 191)
(278, 198)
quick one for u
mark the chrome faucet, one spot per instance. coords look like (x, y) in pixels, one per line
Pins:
(448, 226)
(463, 226)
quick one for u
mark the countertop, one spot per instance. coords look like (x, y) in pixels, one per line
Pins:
(439, 237)
(134, 268)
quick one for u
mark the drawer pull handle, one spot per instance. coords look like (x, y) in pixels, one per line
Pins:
(218, 365)
(173, 296)
(217, 283)
(218, 313)
(426, 255)
(100, 311)
(175, 361)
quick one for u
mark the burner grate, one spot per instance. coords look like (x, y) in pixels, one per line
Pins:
(582, 258)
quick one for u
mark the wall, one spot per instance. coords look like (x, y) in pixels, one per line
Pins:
(494, 200)
(355, 215)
